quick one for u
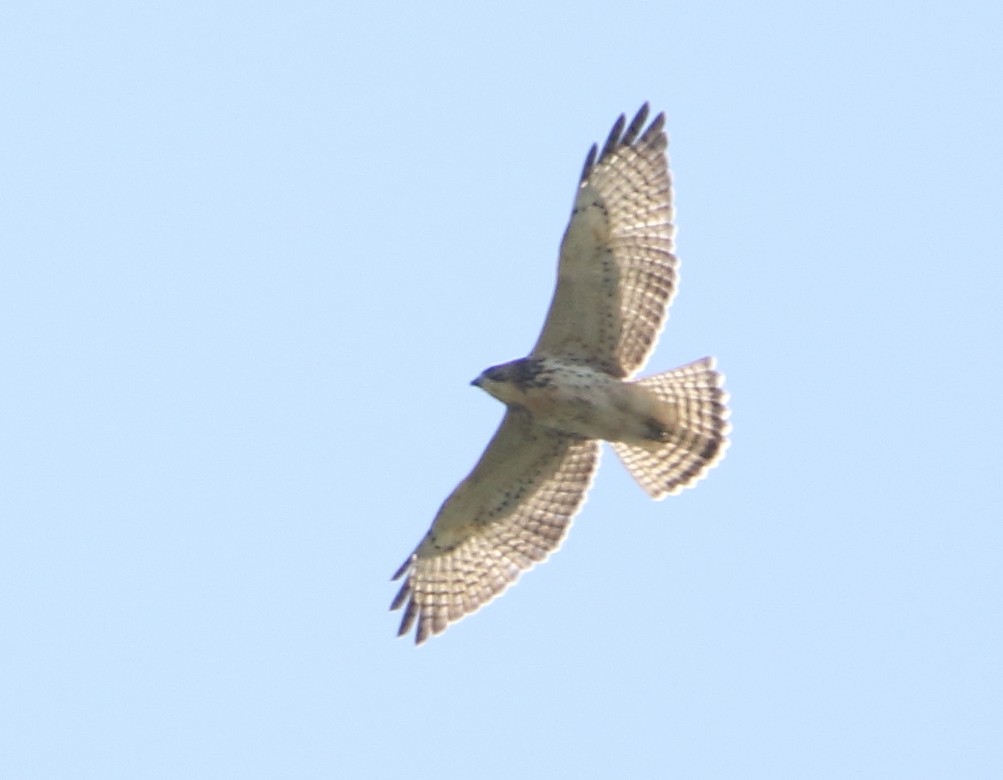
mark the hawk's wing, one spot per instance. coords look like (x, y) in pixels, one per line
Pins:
(511, 512)
(617, 273)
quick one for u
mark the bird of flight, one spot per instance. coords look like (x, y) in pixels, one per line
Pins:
(615, 279)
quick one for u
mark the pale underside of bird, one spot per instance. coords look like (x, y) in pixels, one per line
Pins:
(616, 278)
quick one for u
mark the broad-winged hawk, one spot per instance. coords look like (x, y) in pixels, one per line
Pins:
(616, 277)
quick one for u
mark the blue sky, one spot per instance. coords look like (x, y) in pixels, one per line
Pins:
(252, 255)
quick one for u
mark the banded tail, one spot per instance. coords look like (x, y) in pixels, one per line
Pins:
(697, 439)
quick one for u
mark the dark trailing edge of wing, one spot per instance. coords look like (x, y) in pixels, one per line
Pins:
(617, 137)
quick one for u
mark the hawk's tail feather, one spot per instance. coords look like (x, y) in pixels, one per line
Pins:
(696, 439)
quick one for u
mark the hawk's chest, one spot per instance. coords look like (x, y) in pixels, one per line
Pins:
(579, 400)
(563, 390)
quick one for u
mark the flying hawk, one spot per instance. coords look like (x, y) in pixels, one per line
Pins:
(615, 280)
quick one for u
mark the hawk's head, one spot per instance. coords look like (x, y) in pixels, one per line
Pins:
(509, 381)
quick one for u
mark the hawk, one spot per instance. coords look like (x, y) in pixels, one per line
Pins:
(616, 277)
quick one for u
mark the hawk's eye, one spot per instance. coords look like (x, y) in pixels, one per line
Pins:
(495, 374)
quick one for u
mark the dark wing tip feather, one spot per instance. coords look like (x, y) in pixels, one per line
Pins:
(590, 160)
(401, 596)
(634, 129)
(408, 620)
(614, 137)
(404, 567)
(656, 132)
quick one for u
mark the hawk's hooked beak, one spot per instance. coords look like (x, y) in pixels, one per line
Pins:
(476, 382)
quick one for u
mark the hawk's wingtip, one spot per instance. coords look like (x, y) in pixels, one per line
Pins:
(590, 160)
(404, 567)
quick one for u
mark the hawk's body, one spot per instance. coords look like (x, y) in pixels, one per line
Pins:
(578, 399)
(616, 278)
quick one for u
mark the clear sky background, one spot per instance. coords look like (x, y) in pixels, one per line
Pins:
(252, 254)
